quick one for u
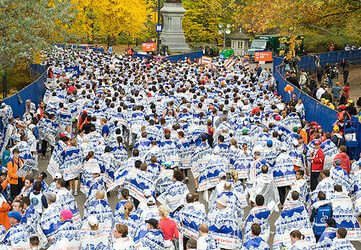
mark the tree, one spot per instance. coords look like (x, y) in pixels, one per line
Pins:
(105, 18)
(203, 16)
(28, 26)
(309, 17)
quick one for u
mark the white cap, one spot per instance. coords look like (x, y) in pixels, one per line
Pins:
(151, 200)
(92, 220)
(295, 142)
(96, 170)
(147, 193)
(32, 126)
(284, 147)
(57, 176)
(216, 150)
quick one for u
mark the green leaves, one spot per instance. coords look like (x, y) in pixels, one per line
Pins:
(28, 26)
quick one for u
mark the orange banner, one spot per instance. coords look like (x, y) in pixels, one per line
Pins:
(149, 46)
(265, 56)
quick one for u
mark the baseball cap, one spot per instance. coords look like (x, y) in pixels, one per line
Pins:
(152, 222)
(295, 129)
(57, 176)
(167, 164)
(336, 128)
(15, 215)
(317, 142)
(269, 142)
(295, 142)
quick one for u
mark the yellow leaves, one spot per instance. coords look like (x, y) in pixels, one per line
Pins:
(110, 17)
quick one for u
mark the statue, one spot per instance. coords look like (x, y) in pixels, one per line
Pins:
(172, 35)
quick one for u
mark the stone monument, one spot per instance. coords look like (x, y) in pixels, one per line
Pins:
(172, 34)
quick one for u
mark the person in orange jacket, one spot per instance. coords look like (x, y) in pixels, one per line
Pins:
(16, 182)
(303, 134)
(317, 162)
(4, 209)
(4, 206)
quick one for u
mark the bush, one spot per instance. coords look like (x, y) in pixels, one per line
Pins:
(17, 79)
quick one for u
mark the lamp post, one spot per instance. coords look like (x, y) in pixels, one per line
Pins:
(158, 23)
(225, 31)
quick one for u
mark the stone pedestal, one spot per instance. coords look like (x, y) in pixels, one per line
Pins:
(172, 35)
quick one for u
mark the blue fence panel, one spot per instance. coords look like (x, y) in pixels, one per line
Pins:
(34, 92)
(141, 56)
(192, 56)
(315, 111)
(80, 47)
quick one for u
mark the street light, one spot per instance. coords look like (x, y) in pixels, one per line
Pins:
(224, 30)
(158, 23)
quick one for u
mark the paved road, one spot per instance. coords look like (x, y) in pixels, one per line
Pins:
(113, 200)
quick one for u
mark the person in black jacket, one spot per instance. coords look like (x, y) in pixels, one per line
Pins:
(327, 95)
(345, 76)
(319, 73)
(350, 107)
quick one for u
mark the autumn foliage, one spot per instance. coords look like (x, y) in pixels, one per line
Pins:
(104, 18)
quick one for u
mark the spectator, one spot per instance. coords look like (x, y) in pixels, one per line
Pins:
(303, 78)
(345, 160)
(320, 91)
(326, 95)
(345, 76)
(319, 73)
(336, 92)
(346, 89)
(350, 107)
(337, 138)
